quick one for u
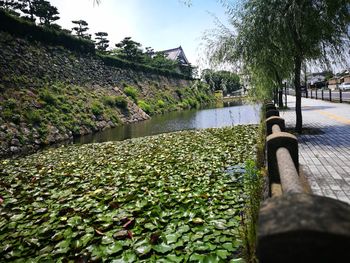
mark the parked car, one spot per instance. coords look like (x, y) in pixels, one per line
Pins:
(344, 86)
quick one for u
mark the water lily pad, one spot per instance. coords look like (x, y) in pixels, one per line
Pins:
(172, 238)
(150, 226)
(159, 198)
(113, 248)
(162, 248)
(143, 249)
(223, 254)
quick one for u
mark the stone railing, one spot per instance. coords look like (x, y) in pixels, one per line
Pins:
(295, 225)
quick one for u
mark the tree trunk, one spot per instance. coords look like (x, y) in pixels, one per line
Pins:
(297, 71)
(280, 97)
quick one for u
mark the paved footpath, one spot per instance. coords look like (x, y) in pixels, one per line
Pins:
(325, 157)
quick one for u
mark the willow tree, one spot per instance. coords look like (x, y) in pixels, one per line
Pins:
(271, 39)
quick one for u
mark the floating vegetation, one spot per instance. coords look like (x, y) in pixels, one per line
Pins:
(174, 197)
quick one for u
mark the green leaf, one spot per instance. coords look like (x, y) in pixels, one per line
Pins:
(162, 248)
(150, 226)
(84, 240)
(129, 256)
(223, 254)
(113, 248)
(143, 249)
(237, 260)
(228, 246)
(171, 238)
(107, 240)
(174, 258)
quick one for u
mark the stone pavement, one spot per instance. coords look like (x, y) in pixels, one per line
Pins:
(324, 154)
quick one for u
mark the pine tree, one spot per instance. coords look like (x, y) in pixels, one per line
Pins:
(27, 7)
(45, 12)
(101, 41)
(81, 28)
(10, 4)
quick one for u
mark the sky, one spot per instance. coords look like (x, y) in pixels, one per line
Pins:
(160, 24)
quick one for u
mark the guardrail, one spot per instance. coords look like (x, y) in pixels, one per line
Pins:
(295, 225)
(324, 94)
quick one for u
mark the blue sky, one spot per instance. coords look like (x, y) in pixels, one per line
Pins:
(161, 24)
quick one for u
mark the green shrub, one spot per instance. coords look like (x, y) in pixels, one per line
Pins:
(65, 108)
(121, 63)
(160, 104)
(42, 130)
(22, 28)
(131, 92)
(10, 104)
(145, 106)
(6, 114)
(184, 105)
(97, 108)
(33, 117)
(16, 118)
(48, 97)
(109, 101)
(120, 102)
(193, 103)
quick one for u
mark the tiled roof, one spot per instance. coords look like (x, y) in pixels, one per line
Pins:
(176, 54)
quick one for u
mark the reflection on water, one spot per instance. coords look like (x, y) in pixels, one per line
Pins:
(232, 113)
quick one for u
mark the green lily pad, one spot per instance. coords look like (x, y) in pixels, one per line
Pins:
(162, 248)
(113, 248)
(171, 238)
(143, 249)
(165, 198)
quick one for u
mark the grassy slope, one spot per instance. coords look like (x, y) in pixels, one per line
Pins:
(67, 107)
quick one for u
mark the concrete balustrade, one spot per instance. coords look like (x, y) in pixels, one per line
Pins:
(270, 122)
(280, 140)
(294, 225)
(271, 113)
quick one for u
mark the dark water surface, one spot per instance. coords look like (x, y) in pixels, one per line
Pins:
(232, 113)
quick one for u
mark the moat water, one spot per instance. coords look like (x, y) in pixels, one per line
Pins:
(228, 114)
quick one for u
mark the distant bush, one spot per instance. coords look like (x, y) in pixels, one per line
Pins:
(96, 108)
(121, 63)
(120, 102)
(117, 101)
(131, 92)
(10, 104)
(145, 106)
(33, 117)
(109, 101)
(22, 28)
(160, 104)
(48, 97)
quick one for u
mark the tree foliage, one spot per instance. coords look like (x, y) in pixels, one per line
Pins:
(45, 12)
(159, 60)
(27, 7)
(101, 41)
(129, 49)
(271, 39)
(221, 80)
(81, 28)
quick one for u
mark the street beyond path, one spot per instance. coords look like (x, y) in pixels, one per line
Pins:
(324, 148)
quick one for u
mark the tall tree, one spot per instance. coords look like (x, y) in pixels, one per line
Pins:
(101, 41)
(81, 28)
(130, 50)
(159, 60)
(273, 38)
(45, 12)
(10, 4)
(221, 80)
(27, 7)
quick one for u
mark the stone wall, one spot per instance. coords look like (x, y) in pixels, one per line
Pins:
(29, 69)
